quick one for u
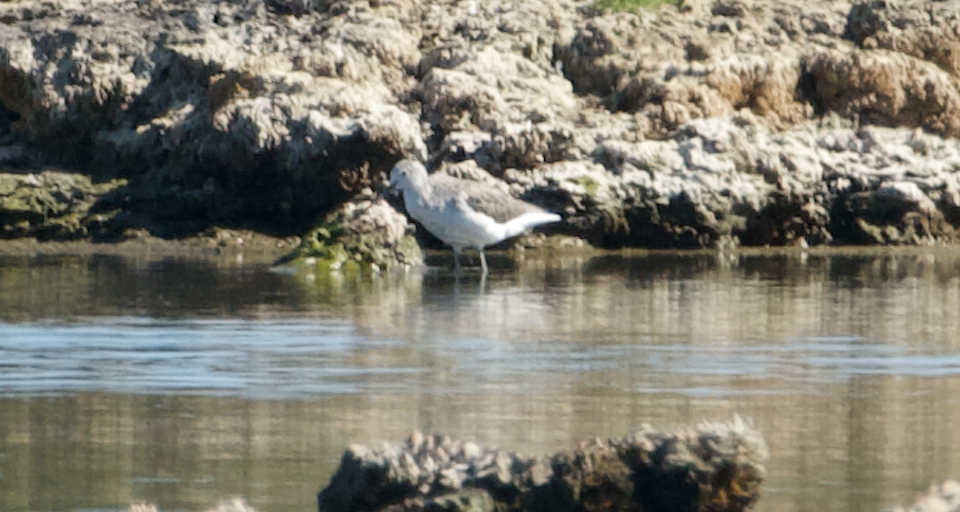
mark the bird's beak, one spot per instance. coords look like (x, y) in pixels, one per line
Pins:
(391, 189)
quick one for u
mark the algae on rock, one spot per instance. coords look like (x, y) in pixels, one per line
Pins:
(366, 232)
(54, 205)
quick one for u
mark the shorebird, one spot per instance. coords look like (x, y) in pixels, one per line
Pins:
(464, 213)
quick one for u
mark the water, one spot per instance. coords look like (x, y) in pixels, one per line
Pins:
(184, 381)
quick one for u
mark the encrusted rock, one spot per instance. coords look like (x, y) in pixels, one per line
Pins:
(224, 112)
(709, 467)
(226, 505)
(735, 179)
(943, 497)
(886, 88)
(232, 505)
(366, 231)
(58, 205)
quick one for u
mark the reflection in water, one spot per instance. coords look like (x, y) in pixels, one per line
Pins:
(182, 382)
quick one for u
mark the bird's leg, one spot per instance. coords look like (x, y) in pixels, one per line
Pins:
(483, 262)
(456, 260)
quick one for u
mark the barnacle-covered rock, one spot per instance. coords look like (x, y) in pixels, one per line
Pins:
(707, 467)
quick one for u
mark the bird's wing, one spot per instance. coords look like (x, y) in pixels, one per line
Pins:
(483, 198)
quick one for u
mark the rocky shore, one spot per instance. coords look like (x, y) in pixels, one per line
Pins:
(708, 123)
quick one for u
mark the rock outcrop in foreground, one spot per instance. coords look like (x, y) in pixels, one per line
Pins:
(710, 467)
(226, 505)
(365, 232)
(944, 497)
(712, 122)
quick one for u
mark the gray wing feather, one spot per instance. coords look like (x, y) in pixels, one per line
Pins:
(481, 197)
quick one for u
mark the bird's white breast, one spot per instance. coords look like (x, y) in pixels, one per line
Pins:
(455, 226)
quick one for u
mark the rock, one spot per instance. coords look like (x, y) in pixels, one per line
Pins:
(232, 505)
(925, 30)
(466, 500)
(226, 505)
(223, 112)
(712, 466)
(424, 468)
(943, 497)
(734, 179)
(57, 205)
(701, 62)
(366, 232)
(886, 88)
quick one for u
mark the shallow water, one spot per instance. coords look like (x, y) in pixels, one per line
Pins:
(181, 382)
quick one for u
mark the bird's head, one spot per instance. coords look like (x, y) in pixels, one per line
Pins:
(409, 175)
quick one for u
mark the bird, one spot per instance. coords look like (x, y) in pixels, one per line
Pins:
(464, 213)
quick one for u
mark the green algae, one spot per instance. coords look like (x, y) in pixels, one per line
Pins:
(50, 205)
(590, 185)
(336, 246)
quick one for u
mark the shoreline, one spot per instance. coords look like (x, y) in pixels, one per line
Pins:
(260, 248)
(239, 246)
